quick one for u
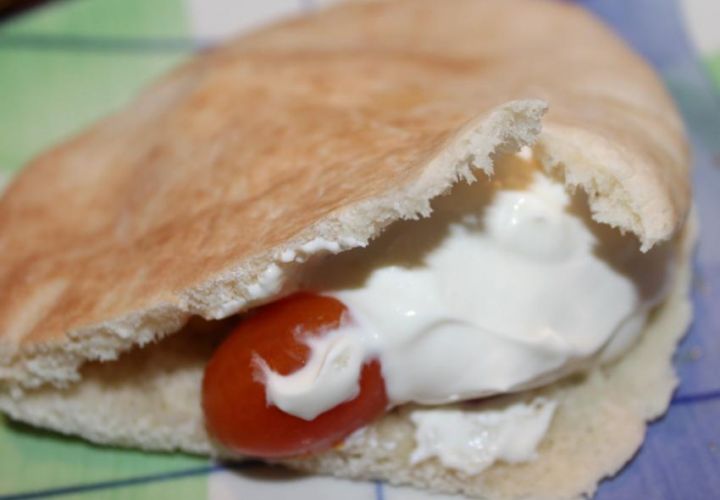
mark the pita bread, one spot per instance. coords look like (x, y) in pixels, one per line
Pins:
(331, 126)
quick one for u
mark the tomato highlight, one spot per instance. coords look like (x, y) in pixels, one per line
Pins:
(234, 404)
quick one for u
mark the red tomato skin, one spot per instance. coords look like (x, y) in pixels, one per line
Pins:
(233, 399)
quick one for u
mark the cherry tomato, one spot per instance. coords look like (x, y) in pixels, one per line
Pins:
(236, 411)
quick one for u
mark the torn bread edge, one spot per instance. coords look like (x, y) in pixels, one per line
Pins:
(506, 129)
(613, 200)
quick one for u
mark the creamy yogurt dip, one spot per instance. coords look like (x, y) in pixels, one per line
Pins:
(508, 285)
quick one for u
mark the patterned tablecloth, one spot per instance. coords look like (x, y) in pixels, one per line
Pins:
(63, 65)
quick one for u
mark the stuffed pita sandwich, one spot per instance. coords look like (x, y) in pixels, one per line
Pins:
(445, 246)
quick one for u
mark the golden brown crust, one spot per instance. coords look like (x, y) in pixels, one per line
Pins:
(332, 125)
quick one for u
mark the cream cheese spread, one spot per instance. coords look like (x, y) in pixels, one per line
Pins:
(472, 439)
(508, 285)
(331, 374)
